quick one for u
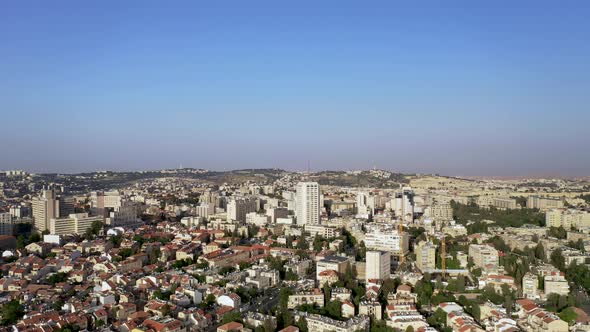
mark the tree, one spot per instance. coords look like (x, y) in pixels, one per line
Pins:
(116, 240)
(579, 274)
(380, 326)
(57, 278)
(68, 328)
(389, 286)
(226, 270)
(302, 244)
(568, 315)
(332, 309)
(233, 316)
(318, 243)
(302, 324)
(557, 259)
(410, 328)
(284, 318)
(441, 317)
(558, 232)
(424, 290)
(284, 297)
(476, 312)
(327, 293)
(540, 252)
(11, 312)
(166, 310)
(35, 237)
(96, 227)
(208, 302)
(268, 326)
(20, 242)
(508, 303)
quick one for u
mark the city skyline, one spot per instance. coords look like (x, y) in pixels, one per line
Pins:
(464, 90)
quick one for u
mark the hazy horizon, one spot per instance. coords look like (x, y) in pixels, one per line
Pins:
(405, 172)
(459, 89)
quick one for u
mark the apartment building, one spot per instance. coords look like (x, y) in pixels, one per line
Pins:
(314, 296)
(334, 263)
(45, 207)
(502, 203)
(439, 211)
(76, 223)
(483, 255)
(378, 265)
(371, 308)
(556, 283)
(6, 224)
(365, 205)
(530, 286)
(425, 255)
(385, 237)
(567, 218)
(239, 207)
(318, 323)
(327, 232)
(543, 203)
(308, 203)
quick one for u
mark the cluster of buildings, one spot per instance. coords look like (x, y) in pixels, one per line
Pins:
(174, 254)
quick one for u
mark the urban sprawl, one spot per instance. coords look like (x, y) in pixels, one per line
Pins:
(182, 250)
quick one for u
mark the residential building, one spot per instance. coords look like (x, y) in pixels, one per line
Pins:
(371, 308)
(335, 263)
(567, 218)
(439, 211)
(425, 255)
(543, 203)
(45, 207)
(314, 296)
(557, 284)
(365, 205)
(530, 285)
(535, 319)
(385, 237)
(318, 323)
(327, 232)
(6, 224)
(378, 265)
(76, 223)
(483, 255)
(501, 203)
(308, 203)
(239, 207)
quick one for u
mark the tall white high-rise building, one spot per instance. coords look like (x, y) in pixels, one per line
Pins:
(378, 265)
(403, 204)
(365, 205)
(45, 208)
(239, 207)
(308, 203)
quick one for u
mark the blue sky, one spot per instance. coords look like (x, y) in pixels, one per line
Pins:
(458, 88)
